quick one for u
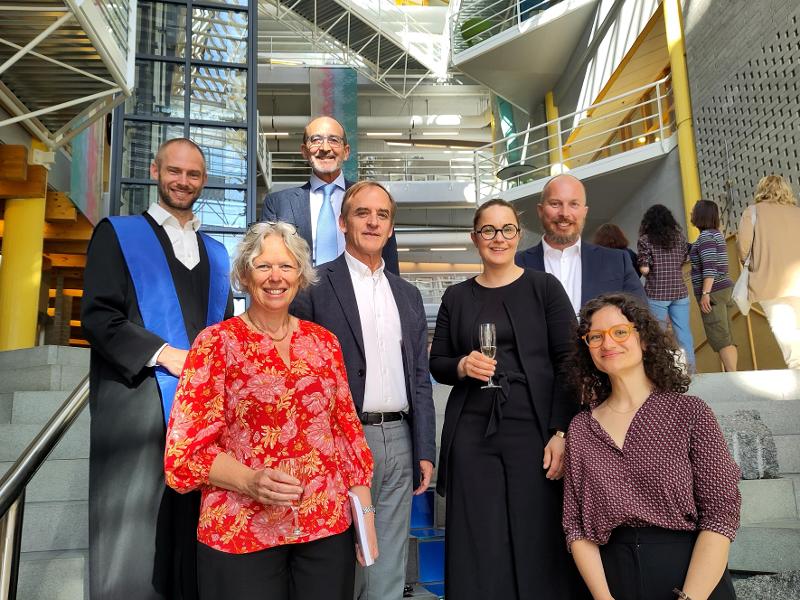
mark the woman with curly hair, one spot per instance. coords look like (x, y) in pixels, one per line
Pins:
(775, 262)
(651, 497)
(662, 253)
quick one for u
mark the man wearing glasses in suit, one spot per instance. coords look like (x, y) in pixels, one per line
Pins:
(314, 208)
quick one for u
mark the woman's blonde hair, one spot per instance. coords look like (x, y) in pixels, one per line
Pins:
(775, 189)
(250, 247)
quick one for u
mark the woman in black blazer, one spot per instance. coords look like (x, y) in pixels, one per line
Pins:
(502, 449)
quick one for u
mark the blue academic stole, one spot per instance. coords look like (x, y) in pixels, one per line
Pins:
(155, 290)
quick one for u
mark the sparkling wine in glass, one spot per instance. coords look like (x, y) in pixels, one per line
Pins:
(487, 335)
(293, 467)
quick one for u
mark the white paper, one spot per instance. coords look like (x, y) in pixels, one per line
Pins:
(361, 528)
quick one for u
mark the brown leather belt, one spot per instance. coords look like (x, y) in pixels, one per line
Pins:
(379, 418)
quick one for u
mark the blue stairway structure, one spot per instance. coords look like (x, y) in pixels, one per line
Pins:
(426, 546)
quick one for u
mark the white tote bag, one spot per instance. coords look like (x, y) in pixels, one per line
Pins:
(740, 290)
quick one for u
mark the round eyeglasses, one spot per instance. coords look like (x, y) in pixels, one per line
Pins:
(314, 142)
(619, 333)
(489, 232)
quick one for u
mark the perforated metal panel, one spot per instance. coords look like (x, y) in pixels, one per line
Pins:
(748, 119)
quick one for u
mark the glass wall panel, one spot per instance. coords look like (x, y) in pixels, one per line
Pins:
(161, 29)
(136, 198)
(158, 91)
(222, 208)
(226, 153)
(219, 94)
(141, 142)
(219, 35)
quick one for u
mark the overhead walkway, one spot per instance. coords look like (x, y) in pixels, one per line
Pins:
(509, 45)
(381, 41)
(64, 63)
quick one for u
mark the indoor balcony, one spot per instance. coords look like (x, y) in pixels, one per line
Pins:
(613, 146)
(518, 48)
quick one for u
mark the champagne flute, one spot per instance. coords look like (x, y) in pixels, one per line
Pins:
(487, 335)
(293, 467)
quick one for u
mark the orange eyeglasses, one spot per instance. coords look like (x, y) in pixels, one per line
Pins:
(618, 333)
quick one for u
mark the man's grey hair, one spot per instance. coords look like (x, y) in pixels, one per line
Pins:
(250, 247)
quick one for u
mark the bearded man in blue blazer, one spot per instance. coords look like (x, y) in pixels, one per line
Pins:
(314, 208)
(380, 322)
(585, 270)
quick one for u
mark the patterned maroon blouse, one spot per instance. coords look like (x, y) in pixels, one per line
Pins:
(674, 471)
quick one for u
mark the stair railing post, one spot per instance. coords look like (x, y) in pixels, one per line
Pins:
(660, 112)
(10, 545)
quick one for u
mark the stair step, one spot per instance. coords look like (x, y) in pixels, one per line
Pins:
(747, 386)
(55, 526)
(44, 355)
(53, 575)
(768, 500)
(788, 447)
(57, 480)
(435, 589)
(780, 416)
(42, 378)
(74, 444)
(769, 547)
(32, 407)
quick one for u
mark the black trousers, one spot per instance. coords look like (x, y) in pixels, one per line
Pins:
(646, 563)
(320, 570)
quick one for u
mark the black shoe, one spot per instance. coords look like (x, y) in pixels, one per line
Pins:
(408, 591)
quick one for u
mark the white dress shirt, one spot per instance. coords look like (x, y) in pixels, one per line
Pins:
(183, 238)
(385, 385)
(316, 196)
(184, 244)
(565, 265)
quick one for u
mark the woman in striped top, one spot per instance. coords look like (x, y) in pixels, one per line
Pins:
(712, 285)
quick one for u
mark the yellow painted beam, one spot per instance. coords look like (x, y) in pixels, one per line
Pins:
(60, 209)
(556, 153)
(68, 292)
(21, 272)
(80, 231)
(687, 151)
(13, 162)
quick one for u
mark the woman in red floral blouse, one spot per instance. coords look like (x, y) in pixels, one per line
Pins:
(651, 497)
(264, 424)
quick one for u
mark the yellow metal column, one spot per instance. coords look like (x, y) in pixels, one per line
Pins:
(21, 267)
(687, 153)
(553, 133)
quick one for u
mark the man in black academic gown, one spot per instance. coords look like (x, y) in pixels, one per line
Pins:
(152, 283)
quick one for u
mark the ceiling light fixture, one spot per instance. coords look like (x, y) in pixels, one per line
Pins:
(398, 143)
(449, 249)
(439, 133)
(384, 134)
(275, 133)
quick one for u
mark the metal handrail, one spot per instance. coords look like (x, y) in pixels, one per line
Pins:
(16, 480)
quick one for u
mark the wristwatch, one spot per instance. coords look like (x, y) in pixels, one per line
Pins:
(705, 294)
(368, 509)
(559, 433)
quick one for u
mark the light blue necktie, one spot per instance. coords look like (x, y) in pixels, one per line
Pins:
(327, 242)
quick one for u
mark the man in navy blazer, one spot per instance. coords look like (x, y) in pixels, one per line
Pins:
(325, 148)
(585, 270)
(380, 322)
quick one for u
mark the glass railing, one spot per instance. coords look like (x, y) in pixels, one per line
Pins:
(476, 21)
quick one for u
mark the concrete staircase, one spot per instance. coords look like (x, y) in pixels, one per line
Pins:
(33, 384)
(769, 537)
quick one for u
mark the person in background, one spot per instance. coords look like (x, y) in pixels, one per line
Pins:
(502, 448)
(584, 270)
(775, 265)
(314, 208)
(609, 235)
(651, 496)
(662, 253)
(711, 283)
(264, 425)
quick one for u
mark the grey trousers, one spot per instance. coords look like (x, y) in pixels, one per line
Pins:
(392, 487)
